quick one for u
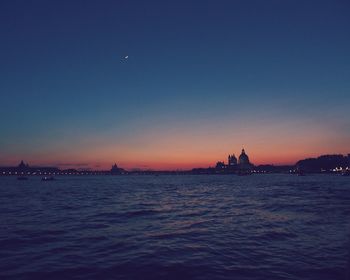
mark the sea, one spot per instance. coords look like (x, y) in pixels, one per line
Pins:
(269, 226)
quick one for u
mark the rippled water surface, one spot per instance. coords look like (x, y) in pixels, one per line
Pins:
(175, 227)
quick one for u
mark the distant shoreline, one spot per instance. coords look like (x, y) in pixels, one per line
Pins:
(325, 164)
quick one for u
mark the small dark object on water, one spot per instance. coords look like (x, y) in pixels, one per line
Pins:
(22, 178)
(47, 178)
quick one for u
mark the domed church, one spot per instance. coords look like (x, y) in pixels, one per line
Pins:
(243, 158)
(243, 161)
(233, 166)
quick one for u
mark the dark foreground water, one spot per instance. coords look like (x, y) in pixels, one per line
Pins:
(175, 227)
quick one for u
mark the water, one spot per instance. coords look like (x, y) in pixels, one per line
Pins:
(175, 227)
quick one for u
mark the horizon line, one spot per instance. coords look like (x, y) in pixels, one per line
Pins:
(143, 167)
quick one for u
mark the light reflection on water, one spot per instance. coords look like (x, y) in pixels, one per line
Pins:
(171, 227)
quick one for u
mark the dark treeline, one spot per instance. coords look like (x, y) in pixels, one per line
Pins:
(325, 163)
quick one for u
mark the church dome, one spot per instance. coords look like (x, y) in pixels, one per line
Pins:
(243, 158)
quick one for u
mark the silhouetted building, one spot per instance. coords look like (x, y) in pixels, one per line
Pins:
(233, 165)
(220, 167)
(115, 170)
(243, 158)
(244, 163)
(232, 160)
(23, 167)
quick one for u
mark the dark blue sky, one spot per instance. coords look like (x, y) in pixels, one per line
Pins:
(246, 72)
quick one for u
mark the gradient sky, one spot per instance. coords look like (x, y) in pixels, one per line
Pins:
(203, 79)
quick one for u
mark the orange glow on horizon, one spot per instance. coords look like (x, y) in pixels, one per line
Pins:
(181, 163)
(187, 146)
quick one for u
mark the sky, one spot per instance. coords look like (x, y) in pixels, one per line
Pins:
(203, 79)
